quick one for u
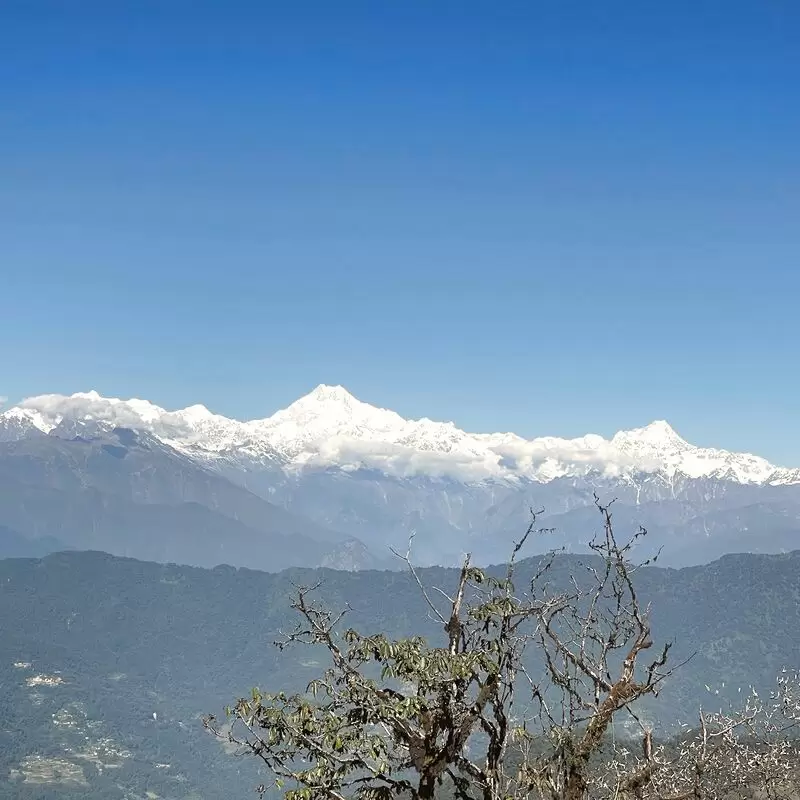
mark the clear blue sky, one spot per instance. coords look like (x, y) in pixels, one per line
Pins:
(550, 217)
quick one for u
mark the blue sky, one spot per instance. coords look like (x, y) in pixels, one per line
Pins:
(549, 217)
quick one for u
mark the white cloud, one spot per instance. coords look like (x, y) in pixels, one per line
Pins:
(541, 459)
(565, 455)
(124, 414)
(404, 461)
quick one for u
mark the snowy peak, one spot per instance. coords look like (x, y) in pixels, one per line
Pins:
(658, 441)
(325, 397)
(329, 395)
(329, 427)
(313, 429)
(336, 406)
(22, 423)
(657, 434)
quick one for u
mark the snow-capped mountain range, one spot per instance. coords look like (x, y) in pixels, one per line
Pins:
(357, 480)
(330, 428)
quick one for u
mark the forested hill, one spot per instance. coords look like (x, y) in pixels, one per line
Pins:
(107, 664)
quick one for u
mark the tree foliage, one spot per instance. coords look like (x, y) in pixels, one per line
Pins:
(469, 715)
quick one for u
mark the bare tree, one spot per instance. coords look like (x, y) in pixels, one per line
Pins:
(516, 700)
(593, 641)
(741, 752)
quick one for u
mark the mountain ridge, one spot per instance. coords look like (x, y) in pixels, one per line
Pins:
(329, 427)
(369, 475)
(127, 492)
(137, 651)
